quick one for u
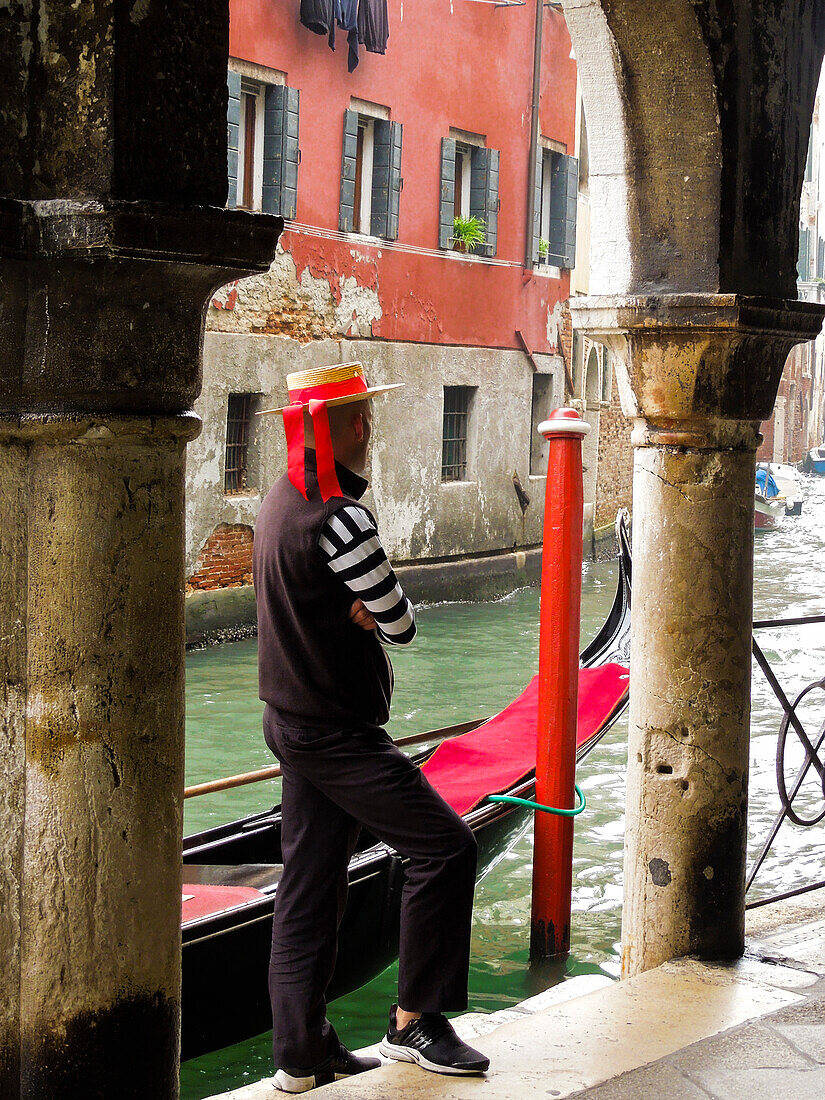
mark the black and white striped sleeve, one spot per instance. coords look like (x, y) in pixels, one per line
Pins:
(349, 541)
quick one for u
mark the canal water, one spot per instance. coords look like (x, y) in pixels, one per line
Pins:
(468, 661)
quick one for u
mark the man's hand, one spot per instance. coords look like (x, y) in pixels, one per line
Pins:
(360, 616)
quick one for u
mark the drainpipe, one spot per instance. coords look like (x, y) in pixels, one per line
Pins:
(534, 136)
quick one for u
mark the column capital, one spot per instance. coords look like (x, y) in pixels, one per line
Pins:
(102, 302)
(688, 365)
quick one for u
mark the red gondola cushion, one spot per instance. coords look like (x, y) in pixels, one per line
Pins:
(205, 901)
(492, 758)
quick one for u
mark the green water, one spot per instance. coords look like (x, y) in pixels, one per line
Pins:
(469, 660)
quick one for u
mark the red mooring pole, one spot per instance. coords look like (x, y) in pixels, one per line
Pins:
(561, 588)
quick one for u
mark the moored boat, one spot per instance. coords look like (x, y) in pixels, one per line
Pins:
(769, 505)
(786, 479)
(768, 512)
(816, 459)
(231, 872)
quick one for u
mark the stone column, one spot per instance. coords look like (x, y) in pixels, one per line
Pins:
(697, 375)
(99, 378)
(112, 239)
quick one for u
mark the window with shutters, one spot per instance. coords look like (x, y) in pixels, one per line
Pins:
(371, 181)
(458, 402)
(363, 175)
(251, 146)
(554, 221)
(469, 188)
(463, 180)
(262, 140)
(239, 423)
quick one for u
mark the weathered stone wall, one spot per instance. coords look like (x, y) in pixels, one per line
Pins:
(420, 517)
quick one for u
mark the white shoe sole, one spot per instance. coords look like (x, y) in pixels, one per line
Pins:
(285, 1082)
(409, 1054)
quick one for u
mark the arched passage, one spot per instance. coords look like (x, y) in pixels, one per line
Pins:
(698, 116)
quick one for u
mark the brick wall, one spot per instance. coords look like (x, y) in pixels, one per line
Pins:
(225, 560)
(795, 387)
(614, 488)
(566, 340)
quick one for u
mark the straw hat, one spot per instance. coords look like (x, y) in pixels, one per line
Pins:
(314, 391)
(338, 385)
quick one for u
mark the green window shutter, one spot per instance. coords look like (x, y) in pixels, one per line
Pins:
(564, 187)
(537, 188)
(233, 125)
(396, 180)
(572, 167)
(281, 153)
(446, 209)
(484, 195)
(803, 267)
(386, 179)
(346, 216)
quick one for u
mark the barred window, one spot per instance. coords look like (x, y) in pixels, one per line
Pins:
(238, 428)
(457, 402)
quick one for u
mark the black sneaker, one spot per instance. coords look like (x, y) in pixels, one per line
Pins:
(347, 1064)
(344, 1064)
(431, 1042)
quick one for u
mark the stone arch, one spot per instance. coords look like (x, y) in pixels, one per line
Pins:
(698, 119)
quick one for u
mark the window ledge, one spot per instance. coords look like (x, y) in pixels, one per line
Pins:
(450, 484)
(367, 238)
(466, 257)
(242, 494)
(547, 271)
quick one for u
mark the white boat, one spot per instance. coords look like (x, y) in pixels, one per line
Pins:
(768, 512)
(787, 483)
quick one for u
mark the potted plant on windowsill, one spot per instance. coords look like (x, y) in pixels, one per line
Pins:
(544, 248)
(468, 233)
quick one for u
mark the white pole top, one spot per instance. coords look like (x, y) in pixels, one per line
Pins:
(564, 422)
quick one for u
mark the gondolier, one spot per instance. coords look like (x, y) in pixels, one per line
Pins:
(328, 602)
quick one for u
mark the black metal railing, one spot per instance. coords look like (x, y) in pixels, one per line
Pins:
(812, 747)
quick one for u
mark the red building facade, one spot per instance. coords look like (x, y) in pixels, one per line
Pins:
(451, 65)
(369, 169)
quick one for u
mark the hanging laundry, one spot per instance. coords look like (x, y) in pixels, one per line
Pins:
(319, 16)
(346, 16)
(373, 25)
(365, 21)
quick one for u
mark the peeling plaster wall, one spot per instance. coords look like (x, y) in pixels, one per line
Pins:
(310, 304)
(420, 518)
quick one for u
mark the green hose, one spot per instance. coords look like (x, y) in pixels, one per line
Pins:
(538, 806)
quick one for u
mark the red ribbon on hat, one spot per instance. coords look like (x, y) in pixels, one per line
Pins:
(315, 399)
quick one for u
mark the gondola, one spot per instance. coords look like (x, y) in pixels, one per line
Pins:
(231, 872)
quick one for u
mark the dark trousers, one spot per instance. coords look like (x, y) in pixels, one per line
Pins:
(333, 782)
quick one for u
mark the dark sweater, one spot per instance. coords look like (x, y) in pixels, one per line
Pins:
(315, 667)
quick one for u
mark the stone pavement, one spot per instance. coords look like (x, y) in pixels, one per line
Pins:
(686, 1031)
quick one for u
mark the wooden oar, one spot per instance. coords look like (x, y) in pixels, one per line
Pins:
(232, 781)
